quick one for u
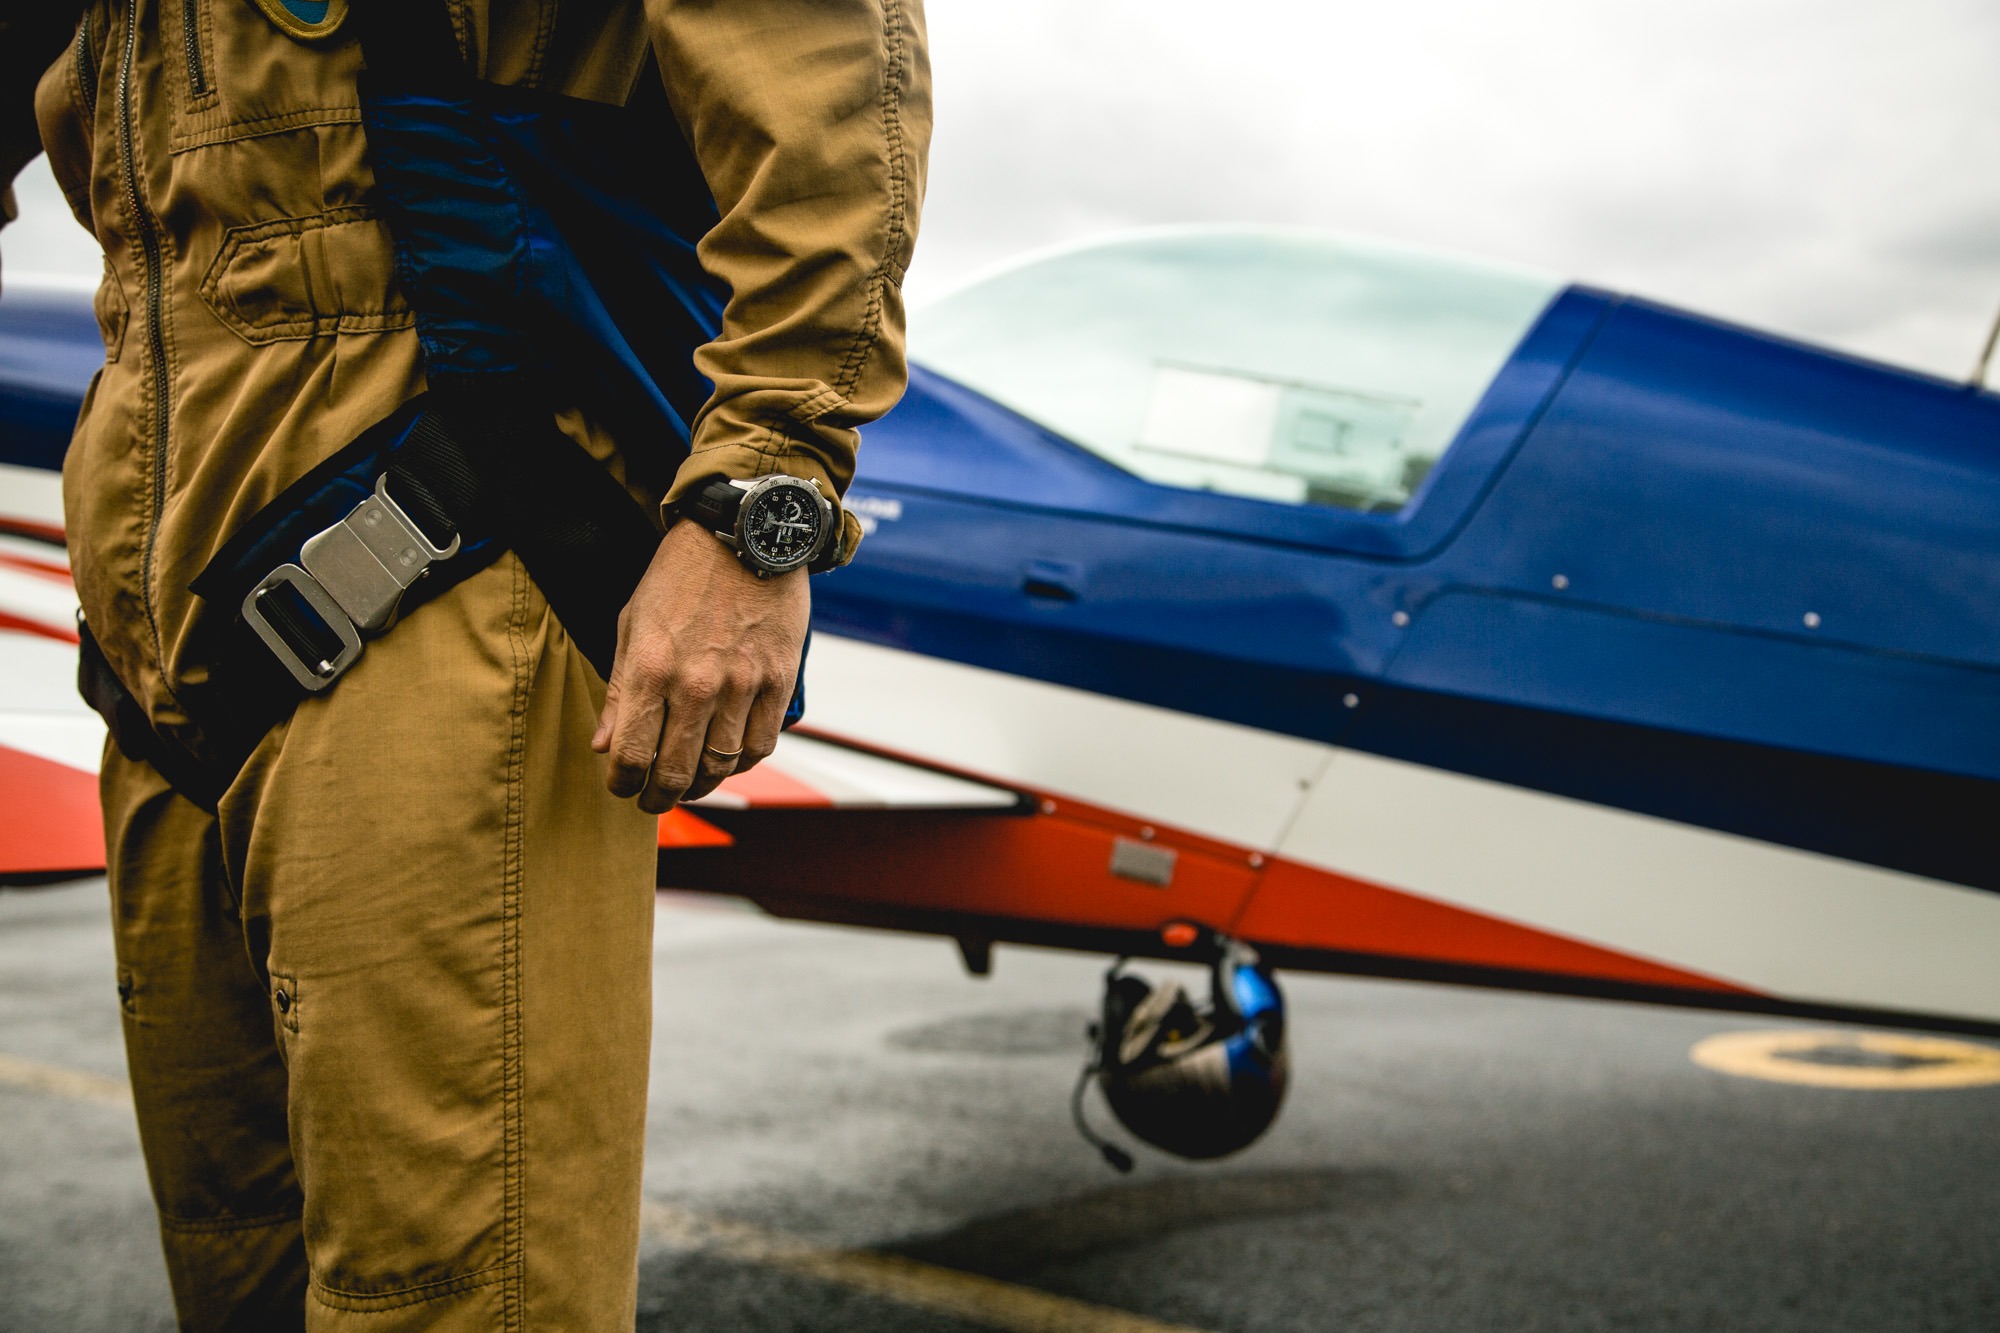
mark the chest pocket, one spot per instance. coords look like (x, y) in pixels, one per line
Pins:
(250, 67)
(302, 277)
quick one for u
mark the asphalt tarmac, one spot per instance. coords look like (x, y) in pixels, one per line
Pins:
(848, 1133)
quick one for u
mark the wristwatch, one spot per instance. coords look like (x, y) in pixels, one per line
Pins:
(774, 524)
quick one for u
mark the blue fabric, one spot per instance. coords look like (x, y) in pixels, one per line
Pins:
(533, 243)
(537, 246)
(308, 11)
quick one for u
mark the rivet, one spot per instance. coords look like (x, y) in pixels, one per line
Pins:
(1400, 618)
(1351, 700)
(1048, 807)
(1256, 860)
(1812, 620)
(1147, 833)
(1560, 581)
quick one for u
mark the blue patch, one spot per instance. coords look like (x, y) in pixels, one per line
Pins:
(308, 11)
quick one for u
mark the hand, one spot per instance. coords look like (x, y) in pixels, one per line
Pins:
(707, 657)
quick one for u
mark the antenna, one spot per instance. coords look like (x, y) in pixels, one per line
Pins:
(1986, 356)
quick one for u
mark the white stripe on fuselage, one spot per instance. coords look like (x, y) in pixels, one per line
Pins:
(42, 598)
(1232, 783)
(40, 712)
(32, 493)
(1774, 919)
(38, 675)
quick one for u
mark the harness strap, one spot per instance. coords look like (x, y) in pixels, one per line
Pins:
(100, 687)
(479, 478)
(585, 541)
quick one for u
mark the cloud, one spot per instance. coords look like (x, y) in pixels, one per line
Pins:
(1822, 168)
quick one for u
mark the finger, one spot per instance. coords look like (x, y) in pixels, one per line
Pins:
(674, 769)
(607, 716)
(725, 738)
(607, 720)
(635, 726)
(767, 720)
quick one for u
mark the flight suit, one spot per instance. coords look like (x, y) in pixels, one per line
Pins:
(387, 1007)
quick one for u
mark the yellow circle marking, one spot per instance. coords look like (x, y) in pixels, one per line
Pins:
(1839, 1059)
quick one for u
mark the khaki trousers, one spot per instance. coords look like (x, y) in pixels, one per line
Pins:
(388, 1011)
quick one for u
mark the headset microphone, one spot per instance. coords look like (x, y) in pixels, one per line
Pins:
(1114, 1156)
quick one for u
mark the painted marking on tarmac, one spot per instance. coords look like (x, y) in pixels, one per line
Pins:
(1875, 1061)
(58, 1080)
(967, 1296)
(946, 1291)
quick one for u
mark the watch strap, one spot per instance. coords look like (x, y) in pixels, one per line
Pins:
(715, 506)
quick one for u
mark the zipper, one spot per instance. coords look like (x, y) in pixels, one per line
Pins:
(191, 35)
(156, 342)
(86, 68)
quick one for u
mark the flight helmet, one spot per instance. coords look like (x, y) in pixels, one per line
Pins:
(1198, 1081)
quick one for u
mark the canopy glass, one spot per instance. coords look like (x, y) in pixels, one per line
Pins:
(1295, 367)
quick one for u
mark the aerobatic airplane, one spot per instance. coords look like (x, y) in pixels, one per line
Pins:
(1397, 614)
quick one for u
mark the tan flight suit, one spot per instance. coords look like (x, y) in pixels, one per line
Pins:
(388, 1011)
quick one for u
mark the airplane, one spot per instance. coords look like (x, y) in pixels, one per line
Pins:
(1395, 613)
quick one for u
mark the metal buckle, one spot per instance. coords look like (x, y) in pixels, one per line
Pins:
(315, 676)
(367, 560)
(353, 576)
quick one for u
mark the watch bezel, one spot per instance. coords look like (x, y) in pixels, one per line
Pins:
(754, 490)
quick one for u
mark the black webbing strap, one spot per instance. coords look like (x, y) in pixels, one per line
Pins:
(485, 468)
(100, 687)
(584, 539)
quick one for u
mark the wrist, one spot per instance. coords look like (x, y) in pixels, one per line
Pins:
(775, 524)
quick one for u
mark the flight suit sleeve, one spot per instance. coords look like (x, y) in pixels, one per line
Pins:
(32, 36)
(811, 120)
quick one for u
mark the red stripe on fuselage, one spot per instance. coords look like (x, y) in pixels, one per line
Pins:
(1304, 907)
(28, 527)
(680, 827)
(48, 569)
(1054, 867)
(23, 625)
(49, 817)
(768, 787)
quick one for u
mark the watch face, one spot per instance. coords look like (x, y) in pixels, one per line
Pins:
(780, 526)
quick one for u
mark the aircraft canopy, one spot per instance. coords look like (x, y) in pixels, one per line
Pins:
(1292, 366)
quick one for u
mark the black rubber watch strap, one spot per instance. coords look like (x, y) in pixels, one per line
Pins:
(715, 507)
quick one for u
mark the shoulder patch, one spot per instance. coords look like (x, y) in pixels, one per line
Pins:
(306, 20)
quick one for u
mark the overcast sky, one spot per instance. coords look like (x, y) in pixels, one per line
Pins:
(1824, 168)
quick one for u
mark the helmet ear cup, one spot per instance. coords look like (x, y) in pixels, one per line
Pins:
(1123, 994)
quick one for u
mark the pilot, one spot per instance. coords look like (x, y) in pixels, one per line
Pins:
(383, 933)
